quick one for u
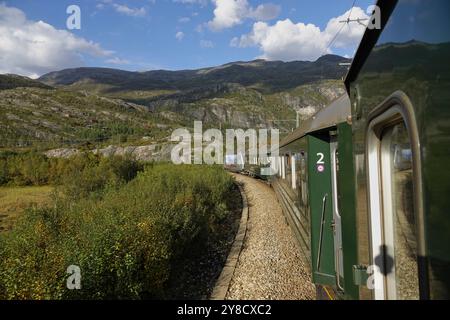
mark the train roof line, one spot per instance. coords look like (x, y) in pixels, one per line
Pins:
(336, 112)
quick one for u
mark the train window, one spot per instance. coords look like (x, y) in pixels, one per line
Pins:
(304, 181)
(393, 207)
(288, 166)
(280, 166)
(293, 173)
(399, 225)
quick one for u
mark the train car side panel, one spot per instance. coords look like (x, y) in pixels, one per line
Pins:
(347, 207)
(321, 208)
(292, 192)
(410, 60)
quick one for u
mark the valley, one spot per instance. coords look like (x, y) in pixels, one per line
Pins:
(91, 108)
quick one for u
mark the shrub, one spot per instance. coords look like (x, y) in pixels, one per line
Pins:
(89, 174)
(4, 175)
(79, 176)
(23, 169)
(127, 244)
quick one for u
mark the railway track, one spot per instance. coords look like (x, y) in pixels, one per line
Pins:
(270, 265)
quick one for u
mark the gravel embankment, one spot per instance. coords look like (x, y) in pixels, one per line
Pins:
(270, 265)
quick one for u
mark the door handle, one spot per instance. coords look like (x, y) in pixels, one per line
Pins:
(322, 223)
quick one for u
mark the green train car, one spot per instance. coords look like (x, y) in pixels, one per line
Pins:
(313, 168)
(365, 184)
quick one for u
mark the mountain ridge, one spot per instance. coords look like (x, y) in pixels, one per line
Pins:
(104, 106)
(266, 75)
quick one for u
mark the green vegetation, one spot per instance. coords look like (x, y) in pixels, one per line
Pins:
(94, 107)
(129, 243)
(136, 231)
(11, 81)
(52, 118)
(14, 201)
(85, 172)
(28, 179)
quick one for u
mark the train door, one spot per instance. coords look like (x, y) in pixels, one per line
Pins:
(336, 223)
(395, 219)
(321, 209)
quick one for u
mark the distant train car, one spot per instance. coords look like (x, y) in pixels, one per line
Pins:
(234, 163)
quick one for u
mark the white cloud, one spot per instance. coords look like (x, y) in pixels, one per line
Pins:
(133, 12)
(199, 28)
(33, 48)
(117, 61)
(235, 42)
(290, 41)
(206, 44)
(123, 9)
(179, 35)
(184, 19)
(264, 12)
(229, 13)
(202, 3)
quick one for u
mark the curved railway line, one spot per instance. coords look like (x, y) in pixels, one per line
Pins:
(364, 183)
(270, 265)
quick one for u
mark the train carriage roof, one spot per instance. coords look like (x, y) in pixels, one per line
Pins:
(337, 112)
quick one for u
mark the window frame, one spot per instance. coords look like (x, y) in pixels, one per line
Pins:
(393, 110)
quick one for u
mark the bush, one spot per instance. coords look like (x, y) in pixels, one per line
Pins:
(24, 169)
(79, 176)
(127, 244)
(89, 174)
(4, 176)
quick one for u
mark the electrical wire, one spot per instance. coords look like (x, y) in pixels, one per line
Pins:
(340, 29)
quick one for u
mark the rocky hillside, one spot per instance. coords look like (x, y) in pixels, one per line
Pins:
(100, 107)
(55, 117)
(11, 81)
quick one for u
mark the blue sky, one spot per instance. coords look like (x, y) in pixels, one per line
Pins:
(171, 34)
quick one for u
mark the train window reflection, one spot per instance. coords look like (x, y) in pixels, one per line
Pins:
(400, 227)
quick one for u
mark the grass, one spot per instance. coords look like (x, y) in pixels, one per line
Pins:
(14, 200)
(150, 238)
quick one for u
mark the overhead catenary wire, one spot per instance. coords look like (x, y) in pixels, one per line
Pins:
(331, 42)
(351, 10)
(359, 20)
(346, 22)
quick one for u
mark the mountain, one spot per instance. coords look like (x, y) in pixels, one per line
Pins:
(31, 116)
(267, 76)
(11, 81)
(102, 106)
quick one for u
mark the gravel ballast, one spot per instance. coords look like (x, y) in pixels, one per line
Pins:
(270, 265)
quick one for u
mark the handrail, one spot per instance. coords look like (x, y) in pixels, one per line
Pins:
(338, 267)
(322, 222)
